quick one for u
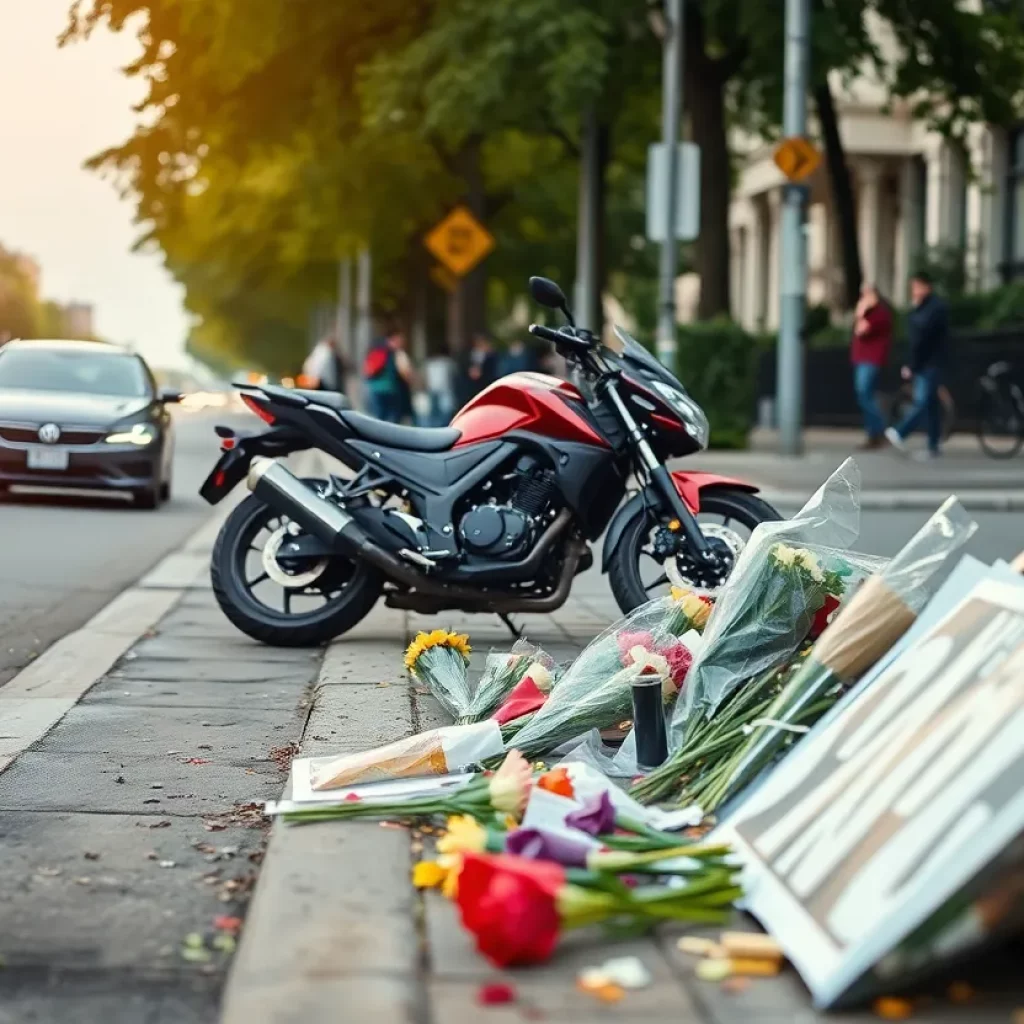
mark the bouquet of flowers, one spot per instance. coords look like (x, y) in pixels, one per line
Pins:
(878, 615)
(440, 661)
(485, 795)
(504, 673)
(595, 691)
(441, 751)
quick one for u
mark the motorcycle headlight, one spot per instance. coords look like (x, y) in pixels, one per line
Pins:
(139, 434)
(689, 411)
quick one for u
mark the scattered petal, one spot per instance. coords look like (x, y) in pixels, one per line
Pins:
(628, 972)
(224, 923)
(890, 1008)
(168, 863)
(428, 874)
(352, 798)
(590, 979)
(695, 945)
(713, 970)
(495, 994)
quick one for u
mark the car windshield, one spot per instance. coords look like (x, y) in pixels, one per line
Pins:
(81, 372)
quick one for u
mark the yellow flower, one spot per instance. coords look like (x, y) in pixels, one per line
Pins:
(510, 785)
(436, 638)
(784, 554)
(428, 874)
(452, 863)
(465, 835)
(694, 607)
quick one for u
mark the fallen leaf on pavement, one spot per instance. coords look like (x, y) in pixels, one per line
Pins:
(225, 923)
(90, 855)
(163, 823)
(382, 684)
(214, 826)
(204, 847)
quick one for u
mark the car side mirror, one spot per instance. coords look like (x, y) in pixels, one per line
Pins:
(169, 396)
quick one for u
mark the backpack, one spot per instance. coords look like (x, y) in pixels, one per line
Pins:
(376, 362)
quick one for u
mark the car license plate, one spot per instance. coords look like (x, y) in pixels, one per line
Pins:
(47, 458)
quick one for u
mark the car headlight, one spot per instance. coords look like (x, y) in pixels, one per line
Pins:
(689, 411)
(139, 434)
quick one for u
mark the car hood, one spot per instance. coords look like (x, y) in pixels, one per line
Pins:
(65, 408)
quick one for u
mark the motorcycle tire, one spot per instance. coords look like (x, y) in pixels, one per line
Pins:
(624, 569)
(1000, 427)
(275, 628)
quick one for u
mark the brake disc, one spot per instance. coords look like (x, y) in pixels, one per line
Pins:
(690, 574)
(273, 568)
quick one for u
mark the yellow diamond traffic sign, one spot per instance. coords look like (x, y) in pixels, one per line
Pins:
(797, 158)
(460, 241)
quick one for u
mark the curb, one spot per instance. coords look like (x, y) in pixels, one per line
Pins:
(924, 500)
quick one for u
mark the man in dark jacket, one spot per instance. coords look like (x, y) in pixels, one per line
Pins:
(928, 334)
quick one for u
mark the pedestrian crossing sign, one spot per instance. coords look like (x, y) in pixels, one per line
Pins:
(460, 241)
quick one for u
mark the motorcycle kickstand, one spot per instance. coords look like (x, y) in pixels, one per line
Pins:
(517, 633)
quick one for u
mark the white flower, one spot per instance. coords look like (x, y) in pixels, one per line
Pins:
(813, 566)
(784, 554)
(540, 677)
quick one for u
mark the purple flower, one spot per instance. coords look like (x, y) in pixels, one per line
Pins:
(536, 844)
(596, 816)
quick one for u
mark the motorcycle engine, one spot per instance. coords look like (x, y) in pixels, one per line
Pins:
(506, 530)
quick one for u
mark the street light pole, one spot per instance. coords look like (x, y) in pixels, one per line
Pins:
(793, 277)
(671, 112)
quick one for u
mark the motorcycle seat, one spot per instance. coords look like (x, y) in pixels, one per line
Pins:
(395, 435)
(332, 399)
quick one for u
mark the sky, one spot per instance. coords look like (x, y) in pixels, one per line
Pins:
(57, 108)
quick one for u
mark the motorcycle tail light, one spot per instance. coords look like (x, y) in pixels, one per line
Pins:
(227, 444)
(255, 406)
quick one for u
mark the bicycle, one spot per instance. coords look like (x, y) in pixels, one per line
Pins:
(1000, 413)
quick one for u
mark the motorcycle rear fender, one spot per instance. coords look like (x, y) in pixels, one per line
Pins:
(688, 484)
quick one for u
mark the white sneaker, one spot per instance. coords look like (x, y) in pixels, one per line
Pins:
(893, 437)
(927, 455)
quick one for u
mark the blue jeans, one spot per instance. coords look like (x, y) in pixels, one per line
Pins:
(384, 405)
(926, 410)
(865, 384)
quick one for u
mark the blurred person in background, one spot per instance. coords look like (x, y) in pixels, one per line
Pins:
(483, 364)
(517, 358)
(928, 334)
(389, 377)
(439, 379)
(324, 369)
(869, 352)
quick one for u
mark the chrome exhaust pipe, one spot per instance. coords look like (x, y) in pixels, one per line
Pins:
(271, 482)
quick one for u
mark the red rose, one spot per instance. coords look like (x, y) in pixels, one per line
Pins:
(508, 903)
(679, 660)
(822, 616)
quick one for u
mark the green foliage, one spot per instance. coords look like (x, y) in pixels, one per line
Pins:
(20, 313)
(717, 363)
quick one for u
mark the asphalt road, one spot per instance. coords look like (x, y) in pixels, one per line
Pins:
(65, 557)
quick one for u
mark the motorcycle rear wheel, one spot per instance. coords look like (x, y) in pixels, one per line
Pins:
(624, 572)
(349, 589)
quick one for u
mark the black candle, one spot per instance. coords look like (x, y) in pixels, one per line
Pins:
(649, 720)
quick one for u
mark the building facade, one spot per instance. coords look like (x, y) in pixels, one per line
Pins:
(915, 192)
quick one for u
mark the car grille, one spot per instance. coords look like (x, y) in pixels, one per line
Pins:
(29, 434)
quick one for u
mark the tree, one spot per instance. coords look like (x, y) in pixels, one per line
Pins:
(20, 313)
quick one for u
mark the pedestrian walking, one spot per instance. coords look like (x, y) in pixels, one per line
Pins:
(928, 334)
(439, 375)
(324, 369)
(483, 363)
(389, 377)
(869, 352)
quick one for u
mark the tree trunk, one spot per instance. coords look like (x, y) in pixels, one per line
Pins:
(473, 287)
(705, 101)
(841, 187)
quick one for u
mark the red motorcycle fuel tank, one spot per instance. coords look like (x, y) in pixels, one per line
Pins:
(534, 402)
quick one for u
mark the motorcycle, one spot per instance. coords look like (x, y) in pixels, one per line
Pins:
(493, 513)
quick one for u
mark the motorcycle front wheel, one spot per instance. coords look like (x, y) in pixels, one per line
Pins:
(637, 572)
(282, 602)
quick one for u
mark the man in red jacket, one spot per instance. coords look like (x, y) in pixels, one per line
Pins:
(869, 352)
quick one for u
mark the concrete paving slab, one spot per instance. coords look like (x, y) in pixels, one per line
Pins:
(236, 736)
(253, 670)
(107, 998)
(150, 784)
(380, 999)
(362, 661)
(193, 694)
(89, 892)
(345, 719)
(237, 647)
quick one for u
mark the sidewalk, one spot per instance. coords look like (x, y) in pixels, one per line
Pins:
(337, 932)
(889, 480)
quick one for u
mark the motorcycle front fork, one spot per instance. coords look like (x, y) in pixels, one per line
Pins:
(671, 500)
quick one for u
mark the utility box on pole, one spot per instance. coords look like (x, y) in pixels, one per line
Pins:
(687, 201)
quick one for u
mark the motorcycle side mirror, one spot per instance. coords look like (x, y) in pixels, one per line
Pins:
(545, 292)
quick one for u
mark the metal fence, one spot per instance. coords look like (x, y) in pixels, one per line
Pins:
(829, 400)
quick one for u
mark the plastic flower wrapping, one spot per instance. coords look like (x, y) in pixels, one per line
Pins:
(595, 691)
(503, 672)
